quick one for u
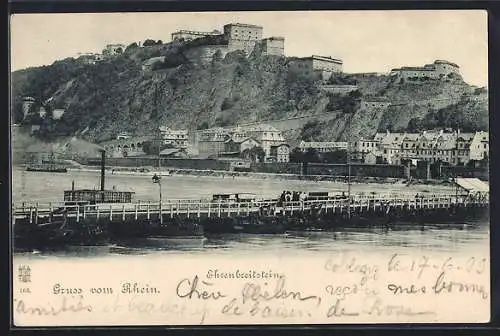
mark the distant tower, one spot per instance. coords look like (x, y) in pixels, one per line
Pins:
(27, 103)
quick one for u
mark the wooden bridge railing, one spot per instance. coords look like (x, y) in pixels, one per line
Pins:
(223, 208)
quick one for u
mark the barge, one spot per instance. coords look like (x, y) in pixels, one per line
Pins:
(60, 224)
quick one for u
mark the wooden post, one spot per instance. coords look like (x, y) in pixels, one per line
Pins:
(98, 208)
(238, 211)
(218, 210)
(111, 213)
(84, 212)
(148, 211)
(171, 211)
(31, 215)
(199, 210)
(209, 209)
(123, 212)
(77, 213)
(135, 208)
(188, 204)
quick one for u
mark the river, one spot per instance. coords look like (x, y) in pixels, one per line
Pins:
(47, 187)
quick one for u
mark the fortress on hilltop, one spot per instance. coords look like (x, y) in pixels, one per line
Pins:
(438, 69)
(235, 36)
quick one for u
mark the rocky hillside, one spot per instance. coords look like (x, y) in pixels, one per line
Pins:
(118, 95)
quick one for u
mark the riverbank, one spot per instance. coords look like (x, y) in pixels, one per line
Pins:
(147, 171)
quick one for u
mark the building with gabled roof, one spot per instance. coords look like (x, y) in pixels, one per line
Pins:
(438, 69)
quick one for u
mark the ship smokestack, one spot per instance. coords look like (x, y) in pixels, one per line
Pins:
(103, 165)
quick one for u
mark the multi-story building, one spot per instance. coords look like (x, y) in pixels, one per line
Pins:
(322, 146)
(242, 36)
(215, 141)
(454, 148)
(479, 146)
(462, 149)
(280, 153)
(235, 36)
(113, 49)
(321, 67)
(27, 104)
(211, 142)
(238, 145)
(90, 58)
(274, 45)
(174, 138)
(125, 146)
(389, 145)
(438, 69)
(266, 135)
(360, 148)
(189, 35)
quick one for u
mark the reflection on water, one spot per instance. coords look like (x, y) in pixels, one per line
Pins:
(460, 238)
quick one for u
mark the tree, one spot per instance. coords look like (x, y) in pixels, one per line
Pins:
(149, 43)
(312, 155)
(337, 156)
(202, 126)
(159, 42)
(296, 155)
(132, 46)
(356, 94)
(152, 147)
(256, 153)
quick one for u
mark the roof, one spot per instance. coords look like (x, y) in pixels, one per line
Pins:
(416, 69)
(243, 25)
(389, 138)
(323, 144)
(170, 151)
(466, 136)
(126, 141)
(283, 144)
(323, 58)
(241, 140)
(446, 141)
(472, 184)
(446, 62)
(195, 32)
(411, 137)
(274, 38)
(259, 128)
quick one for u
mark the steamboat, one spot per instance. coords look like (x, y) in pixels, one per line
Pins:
(70, 223)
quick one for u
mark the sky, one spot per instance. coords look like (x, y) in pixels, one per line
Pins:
(366, 41)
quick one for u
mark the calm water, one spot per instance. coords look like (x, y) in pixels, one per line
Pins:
(46, 187)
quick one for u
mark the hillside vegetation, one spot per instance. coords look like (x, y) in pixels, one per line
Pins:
(117, 95)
